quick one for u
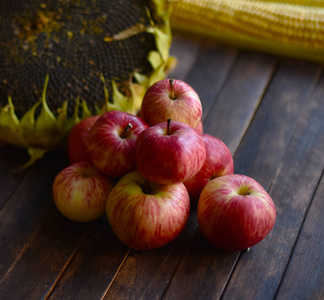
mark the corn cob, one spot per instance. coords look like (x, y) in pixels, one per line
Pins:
(93, 56)
(316, 3)
(280, 28)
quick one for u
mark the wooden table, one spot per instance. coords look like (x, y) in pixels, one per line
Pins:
(270, 113)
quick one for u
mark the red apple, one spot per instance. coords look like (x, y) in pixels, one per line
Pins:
(200, 128)
(139, 114)
(146, 215)
(76, 140)
(218, 162)
(169, 152)
(235, 212)
(110, 143)
(171, 98)
(80, 192)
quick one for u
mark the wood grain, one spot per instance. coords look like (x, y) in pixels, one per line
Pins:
(186, 52)
(266, 139)
(304, 277)
(233, 109)
(292, 190)
(209, 73)
(29, 205)
(94, 265)
(45, 257)
(201, 291)
(202, 266)
(146, 274)
(142, 286)
(269, 111)
(11, 158)
(140, 269)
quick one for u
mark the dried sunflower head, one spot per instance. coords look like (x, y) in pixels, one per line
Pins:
(62, 61)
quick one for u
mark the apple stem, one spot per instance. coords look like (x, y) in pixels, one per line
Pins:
(172, 89)
(168, 127)
(124, 134)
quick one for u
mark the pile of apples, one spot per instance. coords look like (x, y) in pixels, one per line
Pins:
(147, 171)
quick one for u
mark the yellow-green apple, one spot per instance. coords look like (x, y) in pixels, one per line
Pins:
(80, 192)
(171, 98)
(169, 152)
(235, 212)
(146, 215)
(218, 162)
(110, 143)
(76, 140)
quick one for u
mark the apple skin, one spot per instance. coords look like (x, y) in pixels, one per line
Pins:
(169, 158)
(200, 128)
(76, 140)
(146, 215)
(235, 212)
(81, 191)
(218, 162)
(139, 114)
(158, 105)
(109, 148)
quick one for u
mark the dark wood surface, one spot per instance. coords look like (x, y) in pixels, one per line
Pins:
(270, 113)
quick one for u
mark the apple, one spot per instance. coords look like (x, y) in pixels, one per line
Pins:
(169, 152)
(235, 212)
(110, 143)
(218, 162)
(171, 98)
(76, 140)
(139, 114)
(146, 215)
(200, 128)
(80, 192)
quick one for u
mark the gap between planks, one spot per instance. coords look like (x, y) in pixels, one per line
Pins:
(67, 263)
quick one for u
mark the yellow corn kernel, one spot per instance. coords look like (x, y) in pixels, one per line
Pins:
(316, 3)
(281, 28)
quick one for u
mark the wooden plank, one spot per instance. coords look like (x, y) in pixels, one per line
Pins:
(213, 267)
(93, 267)
(185, 51)
(11, 159)
(51, 243)
(147, 274)
(58, 258)
(275, 120)
(210, 72)
(35, 251)
(232, 111)
(263, 268)
(48, 280)
(164, 261)
(304, 278)
(41, 259)
(202, 273)
(28, 207)
(38, 266)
